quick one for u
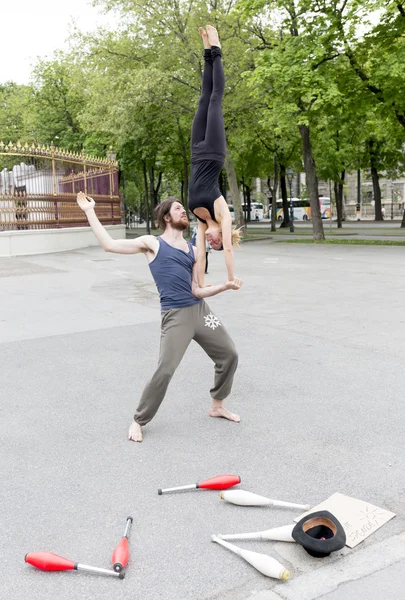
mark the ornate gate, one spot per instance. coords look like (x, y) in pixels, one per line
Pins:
(38, 187)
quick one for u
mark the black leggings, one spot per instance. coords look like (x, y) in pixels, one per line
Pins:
(208, 131)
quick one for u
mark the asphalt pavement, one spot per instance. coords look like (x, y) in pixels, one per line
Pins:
(320, 334)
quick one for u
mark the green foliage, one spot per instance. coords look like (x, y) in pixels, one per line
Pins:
(332, 66)
(58, 99)
(132, 195)
(15, 102)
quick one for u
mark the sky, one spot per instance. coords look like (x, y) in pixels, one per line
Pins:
(32, 28)
(36, 28)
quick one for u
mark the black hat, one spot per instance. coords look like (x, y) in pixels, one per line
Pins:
(320, 533)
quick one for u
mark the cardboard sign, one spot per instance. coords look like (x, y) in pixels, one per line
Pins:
(358, 518)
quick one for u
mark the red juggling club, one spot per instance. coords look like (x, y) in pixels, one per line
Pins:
(221, 482)
(48, 561)
(120, 555)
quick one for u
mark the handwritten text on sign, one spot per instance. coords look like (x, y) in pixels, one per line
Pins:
(359, 519)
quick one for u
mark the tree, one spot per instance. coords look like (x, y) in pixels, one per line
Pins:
(57, 102)
(294, 81)
(15, 103)
(163, 36)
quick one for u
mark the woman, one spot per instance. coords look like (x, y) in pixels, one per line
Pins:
(208, 150)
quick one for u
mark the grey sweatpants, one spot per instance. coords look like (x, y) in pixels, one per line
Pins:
(179, 327)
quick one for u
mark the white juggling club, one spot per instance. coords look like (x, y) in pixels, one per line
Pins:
(243, 498)
(278, 534)
(262, 562)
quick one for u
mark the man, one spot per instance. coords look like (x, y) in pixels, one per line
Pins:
(185, 315)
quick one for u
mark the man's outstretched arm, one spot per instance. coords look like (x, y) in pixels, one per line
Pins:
(144, 243)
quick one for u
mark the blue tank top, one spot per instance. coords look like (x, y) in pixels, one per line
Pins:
(172, 271)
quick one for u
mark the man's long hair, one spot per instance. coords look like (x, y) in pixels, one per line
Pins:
(162, 210)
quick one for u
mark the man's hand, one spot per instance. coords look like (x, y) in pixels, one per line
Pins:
(235, 284)
(85, 202)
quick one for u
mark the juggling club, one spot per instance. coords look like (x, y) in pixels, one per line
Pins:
(48, 561)
(243, 498)
(262, 562)
(120, 555)
(279, 534)
(220, 482)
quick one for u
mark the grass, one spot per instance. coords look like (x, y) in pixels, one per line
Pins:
(351, 242)
(334, 236)
(344, 232)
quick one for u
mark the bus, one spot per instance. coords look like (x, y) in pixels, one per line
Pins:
(302, 209)
(324, 203)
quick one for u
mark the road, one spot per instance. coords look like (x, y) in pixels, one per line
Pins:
(320, 333)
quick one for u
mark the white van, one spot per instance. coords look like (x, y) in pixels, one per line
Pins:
(256, 211)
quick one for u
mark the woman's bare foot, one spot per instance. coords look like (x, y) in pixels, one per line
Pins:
(217, 410)
(204, 36)
(213, 38)
(135, 432)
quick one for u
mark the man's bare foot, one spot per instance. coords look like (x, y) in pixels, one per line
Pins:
(135, 432)
(217, 410)
(204, 36)
(213, 37)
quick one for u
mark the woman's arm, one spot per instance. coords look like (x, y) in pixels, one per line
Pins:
(226, 228)
(202, 227)
(212, 290)
(144, 243)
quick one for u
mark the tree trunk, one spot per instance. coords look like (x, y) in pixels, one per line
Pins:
(244, 201)
(284, 196)
(377, 194)
(271, 207)
(373, 150)
(338, 207)
(182, 195)
(152, 194)
(298, 185)
(341, 195)
(145, 179)
(273, 191)
(338, 199)
(156, 191)
(247, 203)
(185, 171)
(338, 188)
(184, 153)
(274, 197)
(121, 181)
(312, 183)
(233, 186)
(403, 220)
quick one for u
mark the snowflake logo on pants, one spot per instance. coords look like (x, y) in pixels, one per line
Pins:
(212, 321)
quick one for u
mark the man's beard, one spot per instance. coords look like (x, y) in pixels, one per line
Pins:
(180, 225)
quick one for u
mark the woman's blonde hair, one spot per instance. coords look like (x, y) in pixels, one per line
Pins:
(236, 237)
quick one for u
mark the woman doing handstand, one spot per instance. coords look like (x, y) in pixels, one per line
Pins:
(208, 150)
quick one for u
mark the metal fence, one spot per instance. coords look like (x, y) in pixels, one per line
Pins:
(38, 187)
